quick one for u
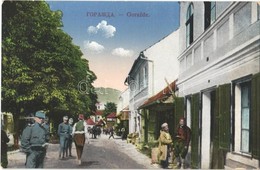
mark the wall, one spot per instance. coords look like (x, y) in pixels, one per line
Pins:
(165, 63)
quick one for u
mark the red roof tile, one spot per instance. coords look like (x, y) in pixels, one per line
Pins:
(90, 122)
(112, 115)
(99, 112)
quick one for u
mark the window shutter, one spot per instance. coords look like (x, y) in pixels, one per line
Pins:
(195, 107)
(179, 110)
(224, 116)
(255, 116)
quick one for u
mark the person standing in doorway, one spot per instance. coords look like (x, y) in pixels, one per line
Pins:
(165, 142)
(70, 137)
(63, 132)
(182, 142)
(34, 142)
(4, 148)
(79, 134)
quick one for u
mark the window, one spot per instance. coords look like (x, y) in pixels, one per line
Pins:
(137, 87)
(145, 72)
(258, 10)
(140, 80)
(210, 13)
(189, 25)
(245, 117)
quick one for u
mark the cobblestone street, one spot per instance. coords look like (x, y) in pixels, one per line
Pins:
(101, 153)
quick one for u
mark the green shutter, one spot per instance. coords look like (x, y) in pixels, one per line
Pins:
(255, 116)
(224, 116)
(179, 110)
(195, 107)
(218, 158)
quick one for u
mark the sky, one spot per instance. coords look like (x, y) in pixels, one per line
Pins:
(111, 34)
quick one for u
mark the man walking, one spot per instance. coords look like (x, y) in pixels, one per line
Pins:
(182, 142)
(111, 133)
(63, 132)
(34, 142)
(79, 134)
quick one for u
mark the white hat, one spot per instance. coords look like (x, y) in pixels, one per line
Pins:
(164, 125)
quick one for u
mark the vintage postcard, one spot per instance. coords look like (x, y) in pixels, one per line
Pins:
(130, 84)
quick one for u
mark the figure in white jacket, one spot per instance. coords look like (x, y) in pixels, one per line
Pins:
(79, 134)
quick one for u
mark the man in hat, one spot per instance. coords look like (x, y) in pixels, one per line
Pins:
(182, 142)
(79, 133)
(165, 142)
(63, 132)
(34, 142)
(70, 137)
(46, 126)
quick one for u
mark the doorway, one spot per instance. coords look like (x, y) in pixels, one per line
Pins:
(207, 128)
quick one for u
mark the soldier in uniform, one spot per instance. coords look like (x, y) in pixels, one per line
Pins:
(63, 132)
(80, 134)
(46, 126)
(33, 142)
(70, 137)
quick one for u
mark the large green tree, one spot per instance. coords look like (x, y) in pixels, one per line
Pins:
(110, 107)
(41, 67)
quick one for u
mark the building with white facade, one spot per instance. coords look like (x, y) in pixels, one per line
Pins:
(219, 82)
(123, 110)
(148, 73)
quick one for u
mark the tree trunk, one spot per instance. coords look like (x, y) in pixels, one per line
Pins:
(16, 131)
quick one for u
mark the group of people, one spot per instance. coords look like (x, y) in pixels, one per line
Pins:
(35, 138)
(179, 144)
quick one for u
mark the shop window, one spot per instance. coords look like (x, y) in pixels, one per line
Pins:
(210, 13)
(189, 25)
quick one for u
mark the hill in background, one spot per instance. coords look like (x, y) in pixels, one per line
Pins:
(107, 94)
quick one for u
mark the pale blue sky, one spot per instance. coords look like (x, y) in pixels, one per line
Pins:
(113, 45)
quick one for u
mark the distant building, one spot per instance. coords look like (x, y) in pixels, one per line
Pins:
(111, 119)
(219, 82)
(100, 106)
(123, 110)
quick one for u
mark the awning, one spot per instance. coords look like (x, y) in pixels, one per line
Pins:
(164, 96)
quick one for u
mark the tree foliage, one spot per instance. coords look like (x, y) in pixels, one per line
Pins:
(110, 107)
(41, 67)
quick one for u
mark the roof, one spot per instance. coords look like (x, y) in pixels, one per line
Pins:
(161, 96)
(99, 112)
(101, 122)
(112, 115)
(135, 64)
(90, 122)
